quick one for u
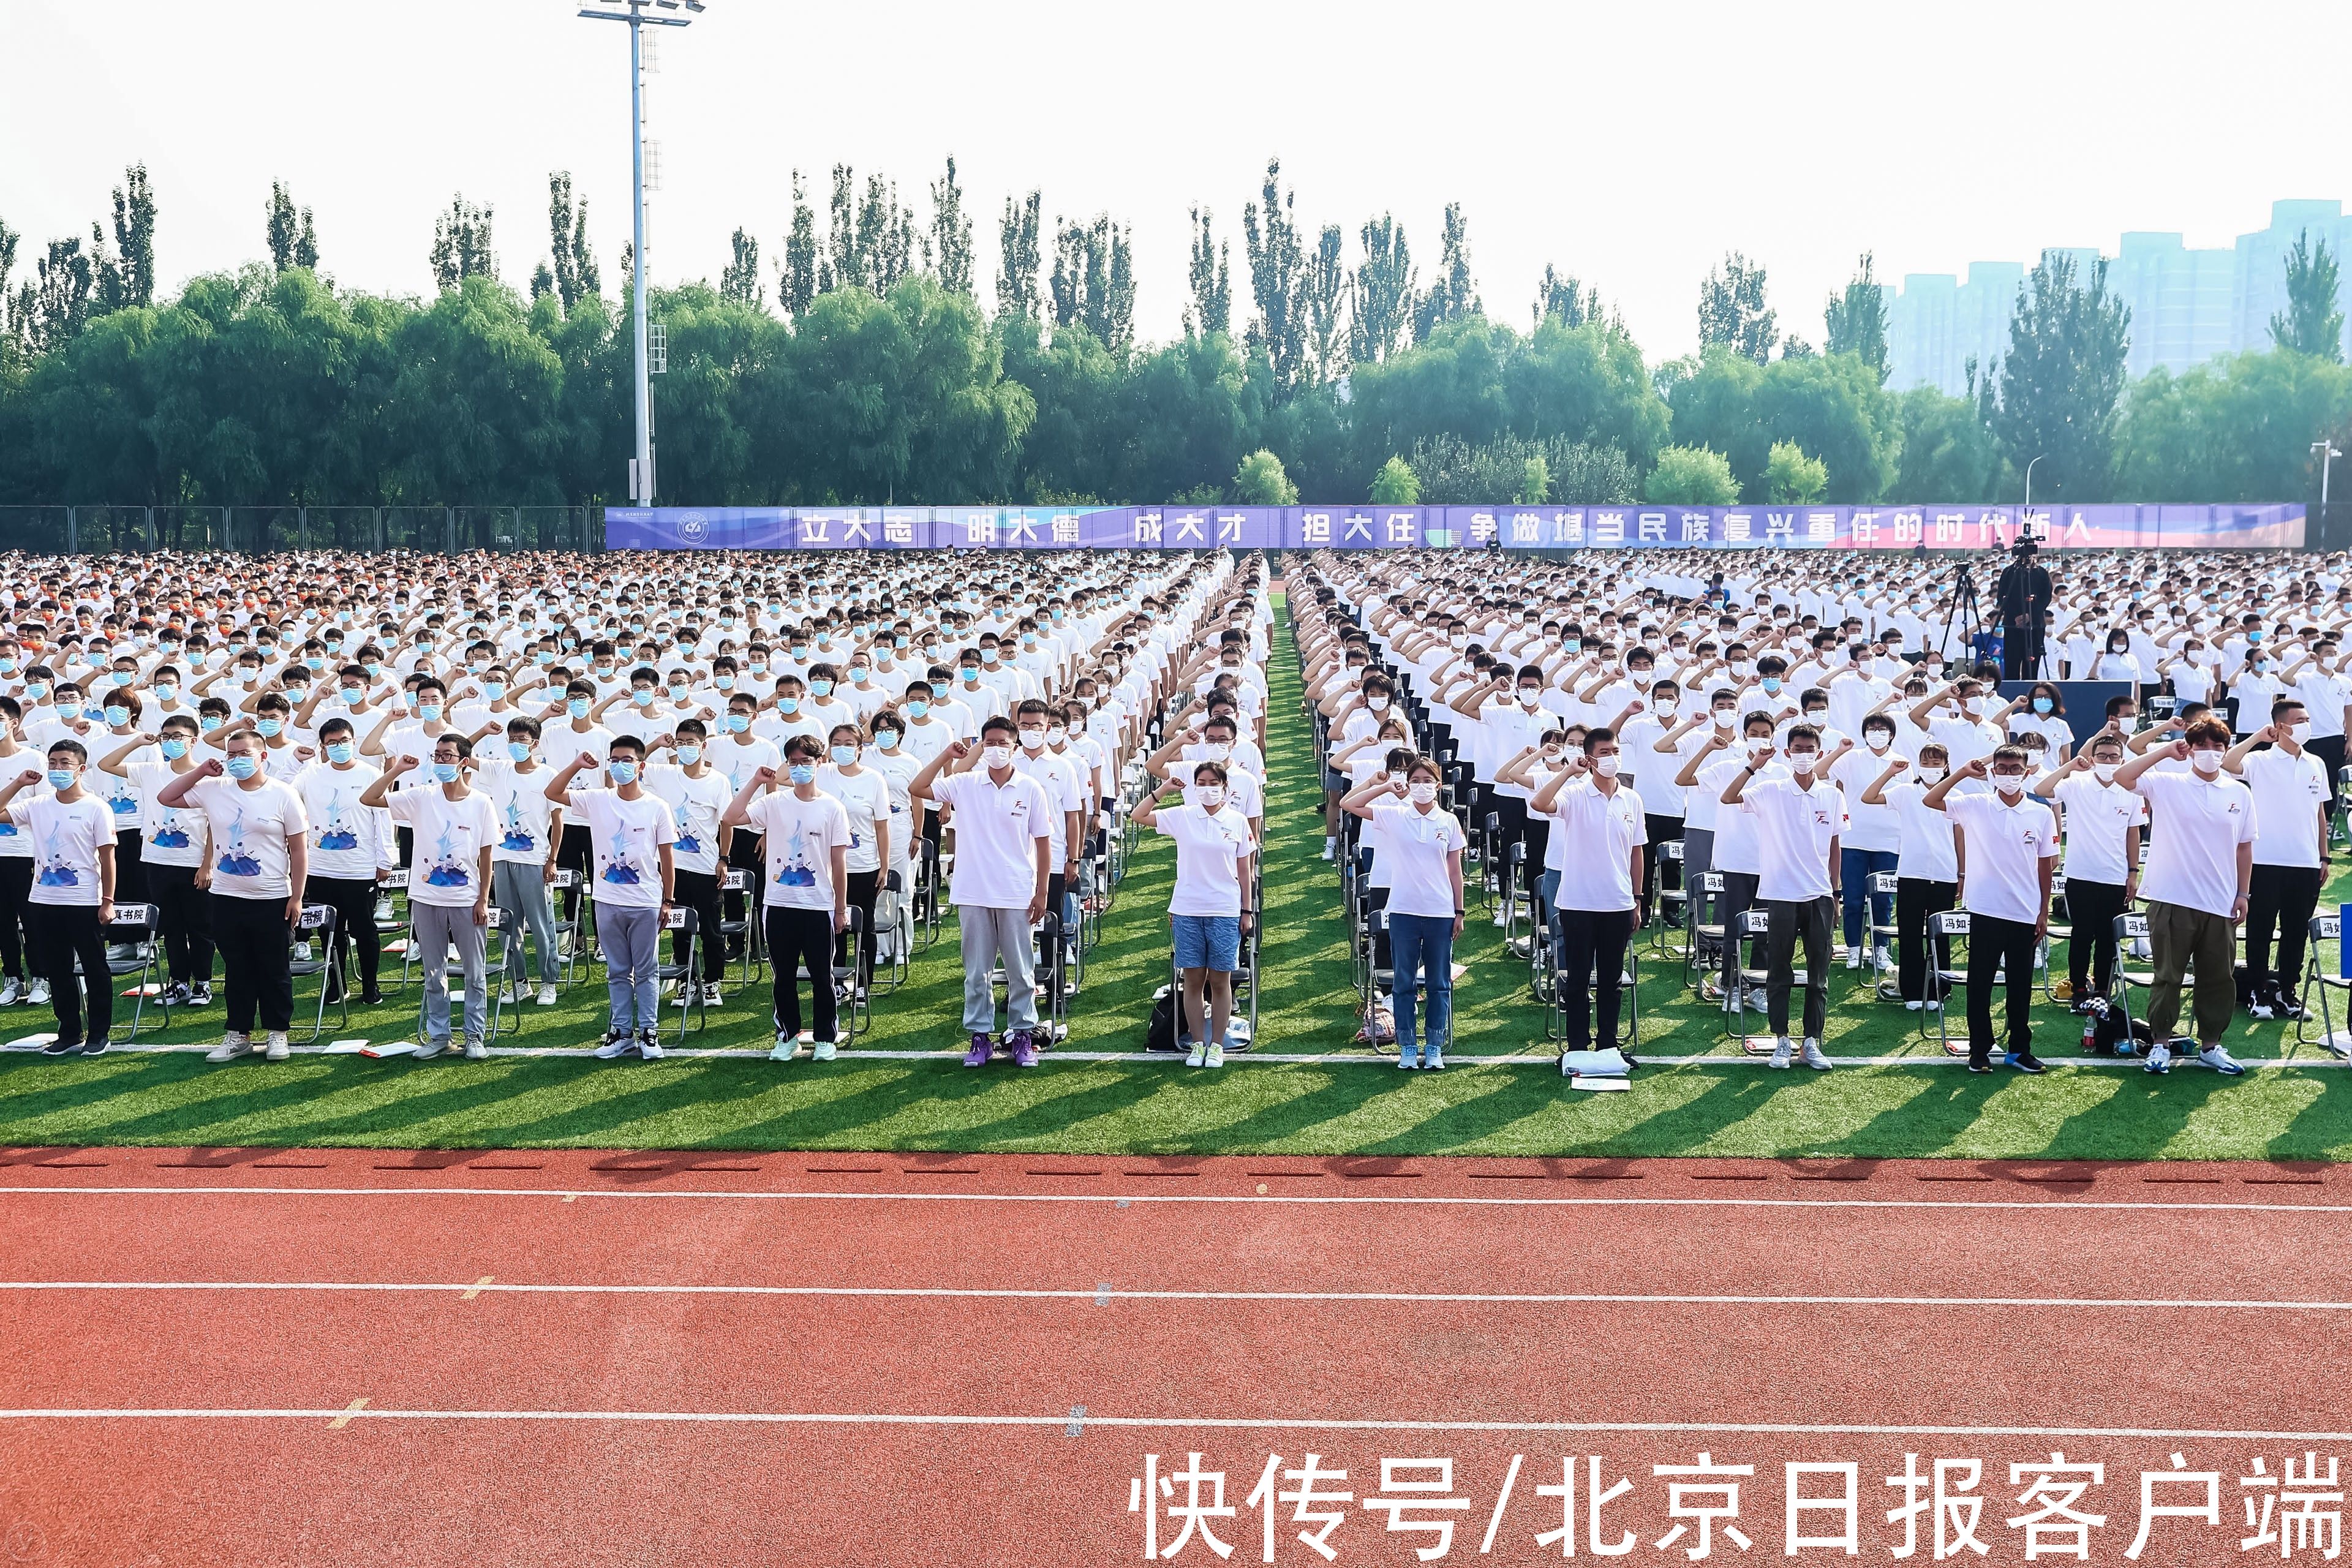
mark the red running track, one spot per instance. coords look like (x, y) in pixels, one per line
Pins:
(575, 1358)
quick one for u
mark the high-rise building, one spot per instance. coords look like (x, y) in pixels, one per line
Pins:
(2187, 306)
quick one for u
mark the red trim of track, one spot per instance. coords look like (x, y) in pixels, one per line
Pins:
(300, 1489)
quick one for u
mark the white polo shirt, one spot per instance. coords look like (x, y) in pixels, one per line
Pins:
(1794, 830)
(1209, 849)
(2006, 844)
(2097, 817)
(1605, 831)
(997, 827)
(2289, 793)
(2200, 823)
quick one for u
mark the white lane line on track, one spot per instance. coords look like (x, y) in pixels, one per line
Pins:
(1103, 1295)
(1173, 1422)
(1295, 1199)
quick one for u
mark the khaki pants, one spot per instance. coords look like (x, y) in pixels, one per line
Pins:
(2182, 937)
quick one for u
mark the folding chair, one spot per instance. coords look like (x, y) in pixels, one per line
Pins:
(2317, 982)
(1948, 972)
(1755, 924)
(391, 918)
(318, 925)
(1702, 921)
(2131, 928)
(1672, 902)
(570, 935)
(2046, 954)
(500, 969)
(750, 928)
(685, 923)
(894, 932)
(134, 926)
(1883, 932)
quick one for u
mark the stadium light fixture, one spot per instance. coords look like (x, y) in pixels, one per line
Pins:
(640, 14)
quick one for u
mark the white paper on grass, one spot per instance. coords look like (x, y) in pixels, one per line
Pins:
(390, 1048)
(345, 1047)
(33, 1042)
(1593, 1084)
(1609, 1063)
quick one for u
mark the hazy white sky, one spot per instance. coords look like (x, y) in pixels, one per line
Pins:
(1629, 144)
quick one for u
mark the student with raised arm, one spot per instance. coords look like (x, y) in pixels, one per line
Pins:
(804, 834)
(1586, 806)
(454, 831)
(261, 861)
(72, 901)
(1423, 846)
(1926, 872)
(1212, 908)
(2291, 850)
(630, 832)
(1797, 821)
(2101, 823)
(2201, 863)
(2010, 840)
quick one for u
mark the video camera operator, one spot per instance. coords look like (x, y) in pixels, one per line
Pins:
(2022, 597)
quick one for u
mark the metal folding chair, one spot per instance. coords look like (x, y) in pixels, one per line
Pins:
(1883, 932)
(135, 926)
(317, 925)
(751, 928)
(1672, 903)
(1702, 913)
(685, 923)
(2131, 928)
(1946, 969)
(2316, 984)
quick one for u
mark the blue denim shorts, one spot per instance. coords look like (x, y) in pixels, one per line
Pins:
(1208, 941)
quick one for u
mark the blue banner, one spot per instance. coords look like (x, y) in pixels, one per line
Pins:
(2119, 526)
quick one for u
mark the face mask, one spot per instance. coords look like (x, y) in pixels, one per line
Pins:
(788, 706)
(118, 717)
(997, 756)
(270, 728)
(842, 757)
(446, 773)
(2299, 732)
(971, 676)
(37, 689)
(1931, 775)
(167, 694)
(916, 707)
(174, 747)
(1605, 766)
(1377, 704)
(1421, 791)
(1803, 761)
(1210, 796)
(61, 779)
(622, 772)
(738, 722)
(2206, 763)
(886, 738)
(2009, 784)
(577, 707)
(820, 688)
(1878, 740)
(1974, 705)
(2041, 705)
(242, 766)
(338, 751)
(1757, 749)
(801, 773)
(1219, 751)
(642, 695)
(209, 724)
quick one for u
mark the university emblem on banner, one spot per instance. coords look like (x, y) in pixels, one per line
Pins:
(693, 527)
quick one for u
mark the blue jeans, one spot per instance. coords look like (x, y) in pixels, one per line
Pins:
(631, 938)
(1547, 895)
(1855, 871)
(1421, 944)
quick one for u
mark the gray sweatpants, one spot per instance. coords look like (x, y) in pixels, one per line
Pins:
(630, 937)
(439, 928)
(520, 888)
(987, 935)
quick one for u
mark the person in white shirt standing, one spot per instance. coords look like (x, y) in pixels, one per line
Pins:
(523, 859)
(1422, 845)
(865, 796)
(2008, 842)
(261, 861)
(630, 834)
(454, 832)
(1212, 908)
(72, 901)
(697, 797)
(1006, 832)
(2101, 867)
(2201, 862)
(1798, 822)
(2291, 851)
(804, 835)
(1589, 809)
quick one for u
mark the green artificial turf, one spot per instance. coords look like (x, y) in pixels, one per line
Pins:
(1501, 1098)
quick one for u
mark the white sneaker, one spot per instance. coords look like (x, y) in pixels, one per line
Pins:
(10, 991)
(1216, 1056)
(1913, 1006)
(476, 1051)
(2221, 1061)
(1886, 961)
(41, 993)
(1330, 848)
(232, 1045)
(1502, 918)
(1854, 959)
(785, 1048)
(822, 1051)
(649, 1050)
(507, 995)
(1933, 1004)
(277, 1050)
(1198, 1056)
(1758, 1000)
(547, 995)
(1813, 1056)
(2159, 1059)
(1781, 1052)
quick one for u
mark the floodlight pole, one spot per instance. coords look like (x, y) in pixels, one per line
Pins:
(633, 12)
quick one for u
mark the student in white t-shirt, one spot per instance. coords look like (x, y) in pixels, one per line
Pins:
(453, 832)
(865, 796)
(1798, 820)
(1589, 808)
(630, 838)
(1422, 845)
(1006, 831)
(260, 863)
(2291, 850)
(2009, 847)
(697, 794)
(2200, 864)
(804, 834)
(352, 851)
(523, 856)
(1213, 905)
(72, 901)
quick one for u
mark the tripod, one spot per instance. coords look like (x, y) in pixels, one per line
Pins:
(1965, 612)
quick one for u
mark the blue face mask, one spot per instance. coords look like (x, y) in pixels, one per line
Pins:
(642, 695)
(270, 728)
(446, 773)
(519, 750)
(543, 659)
(886, 738)
(788, 705)
(243, 766)
(738, 722)
(122, 677)
(209, 722)
(687, 756)
(971, 677)
(62, 778)
(174, 747)
(495, 690)
(724, 682)
(801, 773)
(577, 707)
(36, 690)
(916, 707)
(820, 688)
(677, 694)
(428, 711)
(316, 663)
(1771, 685)
(118, 717)
(2041, 705)
(844, 756)
(622, 772)
(338, 751)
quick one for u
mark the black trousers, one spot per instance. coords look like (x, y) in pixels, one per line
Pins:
(61, 933)
(1995, 944)
(2090, 910)
(743, 853)
(2329, 750)
(1591, 941)
(576, 855)
(353, 899)
(1660, 830)
(859, 890)
(798, 937)
(1512, 828)
(2280, 897)
(699, 891)
(1917, 898)
(1537, 839)
(16, 887)
(180, 914)
(131, 869)
(1816, 921)
(1739, 896)
(256, 949)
